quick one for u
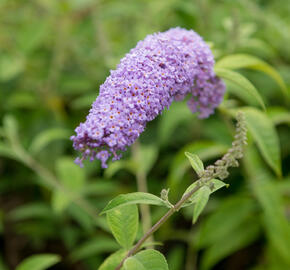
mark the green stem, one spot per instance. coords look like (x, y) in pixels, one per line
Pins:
(158, 224)
(219, 170)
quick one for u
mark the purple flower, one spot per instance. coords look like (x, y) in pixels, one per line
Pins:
(163, 67)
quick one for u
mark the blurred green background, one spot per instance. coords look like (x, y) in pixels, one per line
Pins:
(54, 54)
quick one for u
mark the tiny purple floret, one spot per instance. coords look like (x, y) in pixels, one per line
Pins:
(163, 67)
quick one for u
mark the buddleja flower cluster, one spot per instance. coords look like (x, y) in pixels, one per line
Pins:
(163, 67)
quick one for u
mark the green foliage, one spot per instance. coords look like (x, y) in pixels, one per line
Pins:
(38, 262)
(242, 82)
(195, 162)
(55, 55)
(201, 200)
(146, 260)
(248, 61)
(265, 135)
(113, 260)
(123, 223)
(133, 198)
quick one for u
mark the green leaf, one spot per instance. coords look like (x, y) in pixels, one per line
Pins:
(278, 115)
(46, 137)
(11, 128)
(149, 259)
(133, 264)
(123, 223)
(217, 184)
(237, 61)
(113, 260)
(242, 82)
(72, 178)
(38, 262)
(265, 135)
(133, 198)
(196, 163)
(94, 247)
(201, 199)
(31, 210)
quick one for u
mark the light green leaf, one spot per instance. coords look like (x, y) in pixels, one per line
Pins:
(265, 135)
(133, 198)
(217, 184)
(10, 128)
(237, 61)
(113, 260)
(38, 262)
(201, 199)
(150, 259)
(242, 82)
(60, 201)
(72, 178)
(196, 163)
(123, 223)
(133, 264)
(94, 247)
(46, 137)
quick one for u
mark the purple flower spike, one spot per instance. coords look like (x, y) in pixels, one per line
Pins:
(163, 67)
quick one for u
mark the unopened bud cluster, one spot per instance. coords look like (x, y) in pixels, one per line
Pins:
(230, 159)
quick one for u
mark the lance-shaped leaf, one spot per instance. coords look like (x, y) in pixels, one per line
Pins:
(237, 61)
(215, 185)
(242, 82)
(266, 137)
(195, 162)
(133, 198)
(201, 200)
